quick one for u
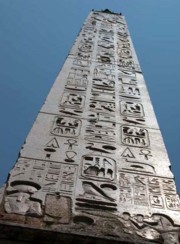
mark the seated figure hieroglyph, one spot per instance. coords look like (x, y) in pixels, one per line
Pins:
(19, 200)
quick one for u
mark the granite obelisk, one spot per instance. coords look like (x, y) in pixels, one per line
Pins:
(94, 168)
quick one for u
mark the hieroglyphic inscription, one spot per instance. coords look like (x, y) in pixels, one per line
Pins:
(96, 195)
(134, 136)
(66, 126)
(104, 71)
(132, 92)
(132, 109)
(105, 86)
(98, 166)
(132, 112)
(73, 100)
(100, 131)
(76, 81)
(102, 106)
(46, 177)
(148, 191)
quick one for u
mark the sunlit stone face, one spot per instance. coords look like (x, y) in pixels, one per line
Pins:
(94, 162)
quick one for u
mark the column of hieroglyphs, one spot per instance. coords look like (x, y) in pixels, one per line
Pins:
(94, 162)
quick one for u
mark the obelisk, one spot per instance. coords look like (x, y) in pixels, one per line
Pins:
(94, 168)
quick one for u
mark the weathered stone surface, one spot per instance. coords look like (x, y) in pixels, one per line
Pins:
(35, 222)
(12, 218)
(58, 209)
(94, 168)
(19, 199)
(2, 189)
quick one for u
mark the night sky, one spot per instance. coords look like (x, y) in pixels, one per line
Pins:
(35, 38)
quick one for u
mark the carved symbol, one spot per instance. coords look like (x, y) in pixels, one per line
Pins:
(77, 82)
(70, 155)
(173, 202)
(20, 168)
(89, 28)
(98, 167)
(53, 173)
(151, 228)
(80, 71)
(71, 143)
(105, 51)
(107, 32)
(124, 180)
(169, 187)
(102, 72)
(67, 187)
(146, 153)
(130, 92)
(98, 196)
(126, 63)
(105, 45)
(85, 47)
(140, 195)
(132, 109)
(95, 117)
(127, 153)
(36, 175)
(68, 178)
(100, 132)
(102, 95)
(135, 136)
(70, 111)
(56, 166)
(102, 106)
(83, 56)
(123, 35)
(68, 127)
(73, 100)
(127, 73)
(140, 180)
(39, 165)
(81, 62)
(93, 190)
(124, 53)
(105, 85)
(137, 166)
(104, 59)
(107, 39)
(126, 195)
(49, 188)
(48, 155)
(19, 201)
(122, 45)
(134, 121)
(68, 174)
(156, 201)
(96, 147)
(51, 145)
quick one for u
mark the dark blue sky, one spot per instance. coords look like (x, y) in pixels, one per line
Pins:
(35, 38)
